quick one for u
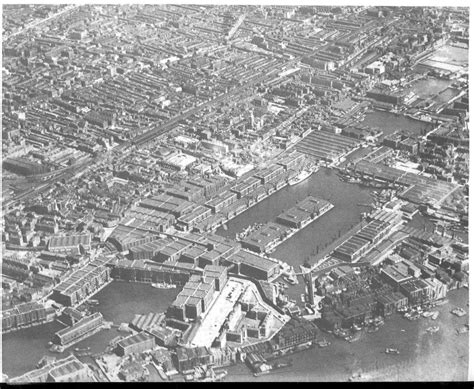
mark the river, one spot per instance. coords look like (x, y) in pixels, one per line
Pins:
(423, 356)
(120, 301)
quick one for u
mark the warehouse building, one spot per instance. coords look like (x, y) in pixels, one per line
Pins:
(83, 328)
(224, 199)
(69, 369)
(375, 231)
(194, 300)
(70, 244)
(23, 315)
(264, 238)
(310, 208)
(352, 249)
(135, 344)
(82, 283)
(174, 273)
(292, 161)
(269, 174)
(186, 359)
(24, 166)
(246, 187)
(252, 265)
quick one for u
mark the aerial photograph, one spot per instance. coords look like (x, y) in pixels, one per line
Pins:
(216, 192)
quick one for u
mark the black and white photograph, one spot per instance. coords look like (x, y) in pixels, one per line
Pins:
(235, 192)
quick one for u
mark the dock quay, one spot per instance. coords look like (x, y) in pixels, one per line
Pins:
(81, 330)
(288, 223)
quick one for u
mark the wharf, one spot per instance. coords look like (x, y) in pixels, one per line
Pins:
(63, 348)
(304, 224)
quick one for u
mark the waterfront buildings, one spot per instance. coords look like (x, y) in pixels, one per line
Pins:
(132, 133)
(69, 369)
(135, 344)
(83, 328)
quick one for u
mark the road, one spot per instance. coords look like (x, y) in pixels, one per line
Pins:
(138, 140)
(39, 22)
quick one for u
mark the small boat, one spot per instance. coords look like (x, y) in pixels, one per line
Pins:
(373, 329)
(46, 360)
(463, 330)
(458, 311)
(290, 280)
(93, 302)
(162, 285)
(282, 365)
(324, 343)
(56, 349)
(441, 302)
(392, 350)
(432, 330)
(378, 321)
(82, 349)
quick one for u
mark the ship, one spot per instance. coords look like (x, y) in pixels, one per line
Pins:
(93, 302)
(290, 279)
(392, 350)
(463, 330)
(303, 175)
(161, 285)
(435, 315)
